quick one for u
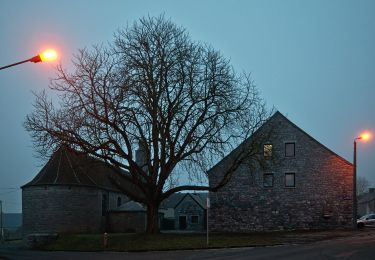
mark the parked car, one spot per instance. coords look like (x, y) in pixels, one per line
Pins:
(366, 220)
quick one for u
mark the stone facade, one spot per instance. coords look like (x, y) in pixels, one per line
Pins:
(66, 209)
(258, 198)
(124, 222)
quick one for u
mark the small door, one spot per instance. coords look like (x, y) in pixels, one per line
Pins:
(182, 222)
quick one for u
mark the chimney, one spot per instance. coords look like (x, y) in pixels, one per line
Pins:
(140, 155)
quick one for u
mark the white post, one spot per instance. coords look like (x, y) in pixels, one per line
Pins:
(207, 209)
(1, 221)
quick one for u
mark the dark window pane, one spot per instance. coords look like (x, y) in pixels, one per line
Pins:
(118, 201)
(268, 180)
(290, 180)
(194, 219)
(289, 149)
(267, 150)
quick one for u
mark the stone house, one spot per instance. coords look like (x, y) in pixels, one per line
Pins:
(366, 203)
(71, 194)
(294, 183)
(167, 207)
(184, 211)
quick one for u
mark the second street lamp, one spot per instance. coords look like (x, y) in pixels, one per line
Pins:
(363, 137)
(47, 55)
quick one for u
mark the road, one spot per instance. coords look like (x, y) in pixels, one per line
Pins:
(355, 247)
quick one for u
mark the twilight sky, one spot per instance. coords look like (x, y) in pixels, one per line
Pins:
(313, 60)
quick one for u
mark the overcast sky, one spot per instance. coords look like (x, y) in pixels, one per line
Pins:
(314, 61)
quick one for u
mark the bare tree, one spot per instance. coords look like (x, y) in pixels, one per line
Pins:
(180, 100)
(362, 185)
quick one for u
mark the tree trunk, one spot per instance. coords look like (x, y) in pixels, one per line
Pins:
(152, 219)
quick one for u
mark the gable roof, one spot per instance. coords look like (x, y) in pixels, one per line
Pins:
(68, 167)
(199, 199)
(172, 200)
(277, 115)
(176, 198)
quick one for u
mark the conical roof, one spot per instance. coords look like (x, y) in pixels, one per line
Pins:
(68, 167)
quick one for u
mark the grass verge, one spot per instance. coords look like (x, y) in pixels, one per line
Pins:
(146, 242)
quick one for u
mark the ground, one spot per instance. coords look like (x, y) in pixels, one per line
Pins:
(357, 245)
(184, 241)
(354, 245)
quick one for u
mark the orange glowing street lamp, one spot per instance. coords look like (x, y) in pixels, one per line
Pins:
(48, 55)
(362, 137)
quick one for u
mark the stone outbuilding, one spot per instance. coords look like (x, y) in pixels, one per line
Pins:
(129, 217)
(295, 182)
(71, 194)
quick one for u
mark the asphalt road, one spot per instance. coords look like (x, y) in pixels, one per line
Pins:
(356, 247)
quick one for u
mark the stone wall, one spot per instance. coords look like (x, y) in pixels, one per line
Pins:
(65, 209)
(321, 198)
(123, 222)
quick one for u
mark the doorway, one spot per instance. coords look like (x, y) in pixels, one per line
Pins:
(182, 222)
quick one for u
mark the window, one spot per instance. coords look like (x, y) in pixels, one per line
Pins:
(290, 180)
(119, 202)
(194, 219)
(267, 150)
(290, 150)
(268, 180)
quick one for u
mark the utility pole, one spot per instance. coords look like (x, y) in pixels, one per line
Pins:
(207, 211)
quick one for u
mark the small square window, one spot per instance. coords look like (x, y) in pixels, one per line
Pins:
(290, 150)
(194, 219)
(268, 180)
(267, 150)
(290, 179)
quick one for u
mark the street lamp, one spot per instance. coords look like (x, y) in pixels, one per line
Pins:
(47, 55)
(363, 137)
(1, 222)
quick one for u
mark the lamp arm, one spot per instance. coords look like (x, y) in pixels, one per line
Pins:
(34, 59)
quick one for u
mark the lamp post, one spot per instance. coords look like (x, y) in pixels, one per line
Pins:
(48, 55)
(1, 221)
(364, 137)
(355, 183)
